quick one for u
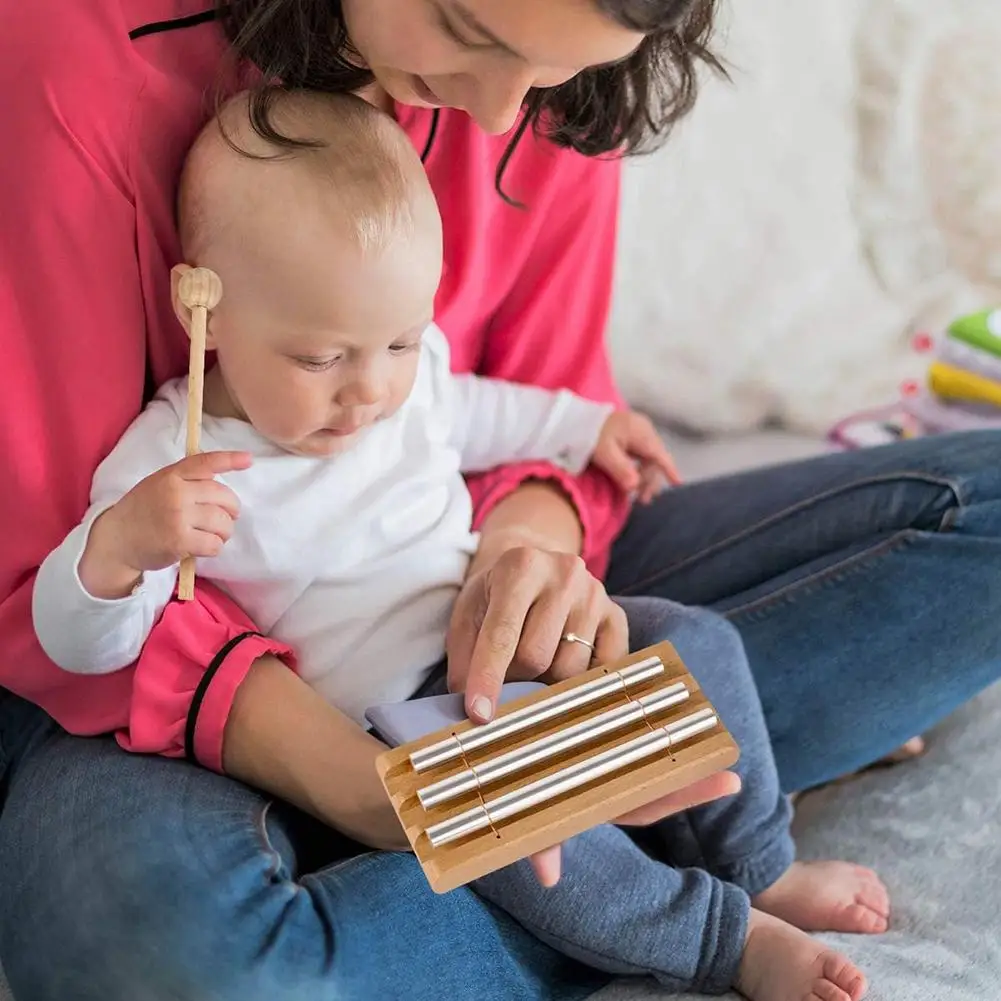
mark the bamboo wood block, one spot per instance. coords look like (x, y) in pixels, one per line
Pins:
(600, 800)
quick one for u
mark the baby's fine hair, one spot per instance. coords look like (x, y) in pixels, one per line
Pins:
(359, 162)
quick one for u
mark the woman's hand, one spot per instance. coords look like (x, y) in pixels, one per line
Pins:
(513, 611)
(509, 623)
(511, 619)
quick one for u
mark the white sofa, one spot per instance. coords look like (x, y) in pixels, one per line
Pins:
(777, 255)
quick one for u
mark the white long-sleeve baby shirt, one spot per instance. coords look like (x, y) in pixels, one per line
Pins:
(355, 560)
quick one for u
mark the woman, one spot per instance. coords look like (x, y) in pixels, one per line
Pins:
(127, 874)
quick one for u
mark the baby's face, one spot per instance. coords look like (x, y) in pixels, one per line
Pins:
(316, 341)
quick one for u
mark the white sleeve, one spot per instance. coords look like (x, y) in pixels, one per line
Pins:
(88, 635)
(496, 422)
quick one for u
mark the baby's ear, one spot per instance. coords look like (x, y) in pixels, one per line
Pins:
(181, 311)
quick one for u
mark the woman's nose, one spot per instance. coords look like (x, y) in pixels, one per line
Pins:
(495, 100)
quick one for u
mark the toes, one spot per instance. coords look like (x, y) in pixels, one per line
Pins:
(855, 919)
(876, 900)
(824, 990)
(844, 976)
(873, 893)
(858, 989)
(913, 748)
(868, 876)
(859, 919)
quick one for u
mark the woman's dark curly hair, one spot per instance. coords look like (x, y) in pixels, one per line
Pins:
(623, 108)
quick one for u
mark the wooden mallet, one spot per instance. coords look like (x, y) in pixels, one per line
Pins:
(199, 291)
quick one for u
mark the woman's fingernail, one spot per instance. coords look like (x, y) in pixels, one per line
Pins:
(482, 707)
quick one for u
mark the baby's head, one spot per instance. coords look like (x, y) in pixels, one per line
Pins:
(329, 257)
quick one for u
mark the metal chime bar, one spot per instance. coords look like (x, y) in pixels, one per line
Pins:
(510, 804)
(552, 745)
(456, 745)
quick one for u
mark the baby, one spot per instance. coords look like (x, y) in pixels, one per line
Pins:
(330, 503)
(331, 420)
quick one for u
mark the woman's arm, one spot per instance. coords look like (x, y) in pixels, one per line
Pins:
(536, 513)
(535, 517)
(550, 330)
(284, 738)
(72, 322)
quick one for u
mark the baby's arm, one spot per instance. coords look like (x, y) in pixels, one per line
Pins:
(496, 422)
(79, 625)
(98, 595)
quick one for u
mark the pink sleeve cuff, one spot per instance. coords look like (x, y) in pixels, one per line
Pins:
(490, 488)
(213, 699)
(180, 706)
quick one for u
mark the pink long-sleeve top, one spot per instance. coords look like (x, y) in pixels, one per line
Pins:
(101, 101)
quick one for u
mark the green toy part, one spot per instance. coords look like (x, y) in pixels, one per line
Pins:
(980, 330)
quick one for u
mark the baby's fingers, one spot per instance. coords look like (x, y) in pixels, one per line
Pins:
(620, 466)
(649, 447)
(651, 484)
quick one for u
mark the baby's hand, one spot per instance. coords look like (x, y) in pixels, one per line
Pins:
(631, 452)
(178, 511)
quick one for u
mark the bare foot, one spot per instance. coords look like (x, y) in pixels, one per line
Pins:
(828, 896)
(914, 748)
(781, 963)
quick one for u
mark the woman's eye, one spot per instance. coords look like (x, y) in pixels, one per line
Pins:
(454, 35)
(402, 349)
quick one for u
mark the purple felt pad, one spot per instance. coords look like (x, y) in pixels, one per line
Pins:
(400, 722)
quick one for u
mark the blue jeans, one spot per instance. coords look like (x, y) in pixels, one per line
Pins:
(865, 588)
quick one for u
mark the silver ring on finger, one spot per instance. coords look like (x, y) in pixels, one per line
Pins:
(574, 638)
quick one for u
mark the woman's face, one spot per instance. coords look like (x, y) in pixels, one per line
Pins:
(481, 56)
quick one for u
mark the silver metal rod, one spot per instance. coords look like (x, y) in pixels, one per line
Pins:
(456, 745)
(552, 745)
(512, 803)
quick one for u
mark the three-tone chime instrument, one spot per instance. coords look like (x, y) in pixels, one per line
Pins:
(473, 798)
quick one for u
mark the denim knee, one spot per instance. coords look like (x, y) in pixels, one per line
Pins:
(710, 645)
(136, 878)
(140, 879)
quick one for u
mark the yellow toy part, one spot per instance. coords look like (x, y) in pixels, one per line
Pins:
(951, 383)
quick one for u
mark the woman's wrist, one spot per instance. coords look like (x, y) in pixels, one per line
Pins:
(538, 514)
(283, 738)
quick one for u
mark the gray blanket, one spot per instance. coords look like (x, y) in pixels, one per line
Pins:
(931, 828)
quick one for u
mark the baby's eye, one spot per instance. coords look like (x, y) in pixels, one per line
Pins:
(402, 349)
(317, 364)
